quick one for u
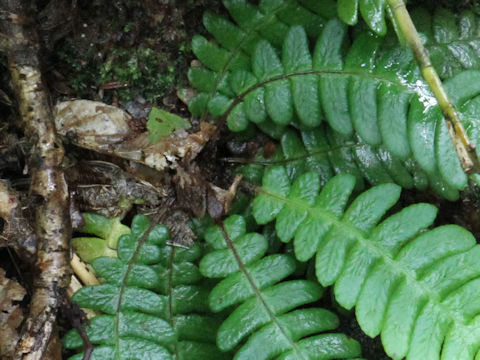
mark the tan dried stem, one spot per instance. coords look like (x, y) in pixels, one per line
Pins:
(48, 184)
(464, 147)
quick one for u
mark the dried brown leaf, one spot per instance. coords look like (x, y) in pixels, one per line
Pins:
(108, 129)
(11, 314)
(105, 188)
(91, 124)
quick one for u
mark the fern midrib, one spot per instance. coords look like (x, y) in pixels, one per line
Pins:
(397, 266)
(171, 321)
(347, 73)
(285, 160)
(408, 87)
(258, 293)
(141, 241)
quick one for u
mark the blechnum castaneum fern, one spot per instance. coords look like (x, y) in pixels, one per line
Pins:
(418, 289)
(153, 301)
(361, 84)
(327, 153)
(270, 319)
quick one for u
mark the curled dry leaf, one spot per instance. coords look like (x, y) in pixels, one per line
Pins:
(201, 196)
(108, 129)
(92, 124)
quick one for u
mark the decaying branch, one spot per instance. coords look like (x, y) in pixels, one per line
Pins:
(48, 184)
(464, 147)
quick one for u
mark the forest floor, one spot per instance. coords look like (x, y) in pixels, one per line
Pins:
(135, 55)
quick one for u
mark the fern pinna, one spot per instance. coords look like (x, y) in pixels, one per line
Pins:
(373, 90)
(416, 288)
(328, 153)
(153, 300)
(103, 234)
(267, 322)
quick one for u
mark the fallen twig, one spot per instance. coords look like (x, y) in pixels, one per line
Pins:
(48, 184)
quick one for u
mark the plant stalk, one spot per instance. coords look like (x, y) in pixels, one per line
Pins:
(464, 147)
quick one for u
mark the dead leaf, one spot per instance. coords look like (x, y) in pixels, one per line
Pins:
(11, 319)
(105, 188)
(224, 198)
(11, 314)
(107, 129)
(201, 196)
(91, 124)
(191, 190)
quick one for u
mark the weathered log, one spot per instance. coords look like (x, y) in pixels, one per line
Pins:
(48, 185)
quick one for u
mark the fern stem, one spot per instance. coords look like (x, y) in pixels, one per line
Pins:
(257, 291)
(171, 320)
(464, 147)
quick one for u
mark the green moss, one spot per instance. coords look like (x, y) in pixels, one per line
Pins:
(140, 70)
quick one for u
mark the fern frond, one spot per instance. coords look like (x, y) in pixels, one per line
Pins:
(270, 21)
(266, 322)
(327, 153)
(153, 300)
(452, 39)
(374, 91)
(413, 287)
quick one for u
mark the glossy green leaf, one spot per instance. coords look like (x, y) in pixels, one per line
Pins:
(262, 304)
(276, 182)
(348, 11)
(161, 123)
(373, 12)
(408, 284)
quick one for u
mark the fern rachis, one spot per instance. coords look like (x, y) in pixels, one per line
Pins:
(265, 314)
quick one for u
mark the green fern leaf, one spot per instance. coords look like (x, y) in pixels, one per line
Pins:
(411, 286)
(266, 316)
(327, 153)
(269, 21)
(153, 301)
(452, 39)
(372, 11)
(375, 91)
(106, 232)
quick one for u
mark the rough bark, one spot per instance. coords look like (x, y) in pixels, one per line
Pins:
(48, 184)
